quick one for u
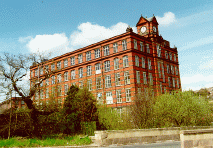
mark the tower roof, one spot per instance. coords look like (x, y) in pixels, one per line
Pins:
(144, 20)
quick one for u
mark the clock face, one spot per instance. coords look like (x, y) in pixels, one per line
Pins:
(154, 29)
(143, 29)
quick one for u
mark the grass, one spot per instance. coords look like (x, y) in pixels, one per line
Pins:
(66, 141)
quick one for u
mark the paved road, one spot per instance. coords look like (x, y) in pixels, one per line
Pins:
(174, 144)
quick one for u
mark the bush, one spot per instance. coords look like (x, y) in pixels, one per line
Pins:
(181, 109)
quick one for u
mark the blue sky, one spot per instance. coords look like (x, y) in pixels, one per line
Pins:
(60, 26)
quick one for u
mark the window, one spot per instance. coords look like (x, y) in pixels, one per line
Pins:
(47, 81)
(89, 84)
(169, 81)
(36, 72)
(175, 59)
(98, 68)
(98, 83)
(106, 50)
(116, 63)
(41, 71)
(118, 96)
(143, 62)
(177, 83)
(158, 50)
(176, 70)
(53, 67)
(59, 65)
(126, 77)
(170, 56)
(117, 79)
(46, 68)
(115, 47)
(80, 58)
(99, 96)
(173, 82)
(109, 99)
(150, 79)
(164, 89)
(128, 95)
(161, 89)
(147, 48)
(59, 78)
(97, 53)
(149, 64)
(59, 91)
(66, 76)
(135, 44)
(73, 74)
(107, 66)
(124, 45)
(142, 47)
(136, 61)
(108, 81)
(172, 69)
(159, 70)
(168, 70)
(72, 60)
(166, 55)
(138, 76)
(80, 72)
(47, 92)
(125, 61)
(31, 73)
(89, 70)
(144, 78)
(88, 55)
(53, 79)
(65, 63)
(81, 84)
(66, 86)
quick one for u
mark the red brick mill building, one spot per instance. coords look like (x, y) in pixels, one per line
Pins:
(114, 69)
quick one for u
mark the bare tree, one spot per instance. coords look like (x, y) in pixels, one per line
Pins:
(13, 70)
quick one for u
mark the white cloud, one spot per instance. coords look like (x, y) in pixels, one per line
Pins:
(196, 78)
(24, 39)
(167, 19)
(197, 43)
(89, 33)
(43, 43)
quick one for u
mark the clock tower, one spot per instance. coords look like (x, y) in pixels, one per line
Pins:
(147, 27)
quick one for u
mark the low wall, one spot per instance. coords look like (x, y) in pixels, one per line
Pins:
(132, 136)
(196, 138)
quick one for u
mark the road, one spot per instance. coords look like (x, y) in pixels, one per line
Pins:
(172, 144)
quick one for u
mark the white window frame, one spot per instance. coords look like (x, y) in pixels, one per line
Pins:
(89, 84)
(109, 99)
(142, 46)
(59, 90)
(124, 44)
(72, 60)
(80, 58)
(168, 69)
(73, 74)
(147, 48)
(89, 70)
(97, 53)
(144, 78)
(66, 76)
(59, 65)
(65, 63)
(128, 95)
(172, 69)
(125, 61)
(159, 72)
(116, 63)
(170, 56)
(117, 79)
(98, 82)
(150, 79)
(169, 81)
(149, 64)
(176, 70)
(106, 66)
(106, 50)
(66, 88)
(47, 93)
(126, 77)
(135, 44)
(173, 82)
(175, 58)
(80, 72)
(47, 81)
(118, 96)
(115, 47)
(88, 55)
(136, 61)
(53, 67)
(59, 78)
(166, 54)
(36, 72)
(143, 62)
(53, 79)
(138, 77)
(107, 81)
(158, 50)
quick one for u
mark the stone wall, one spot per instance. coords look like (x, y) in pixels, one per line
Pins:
(196, 138)
(133, 136)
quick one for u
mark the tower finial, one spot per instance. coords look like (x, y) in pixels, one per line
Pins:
(153, 15)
